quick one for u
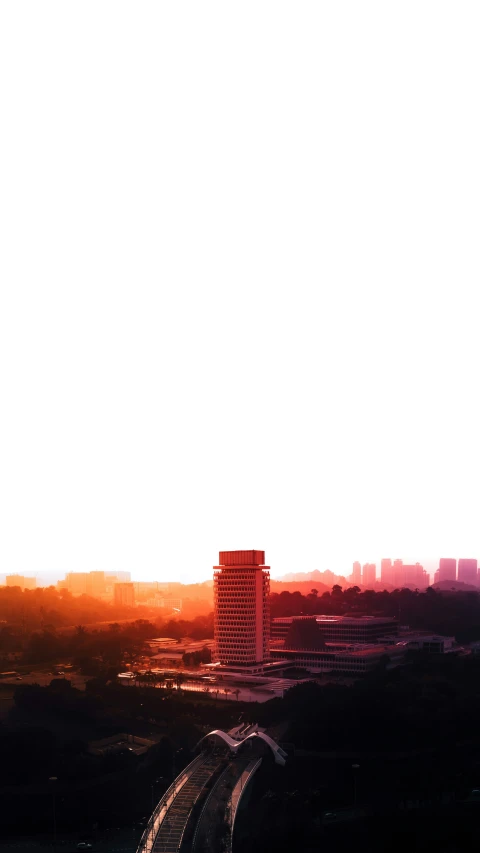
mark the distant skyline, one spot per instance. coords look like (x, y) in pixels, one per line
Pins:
(239, 286)
(429, 564)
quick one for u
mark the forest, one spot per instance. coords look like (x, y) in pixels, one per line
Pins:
(33, 623)
(455, 614)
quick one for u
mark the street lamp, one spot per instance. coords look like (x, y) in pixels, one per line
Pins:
(54, 779)
(355, 767)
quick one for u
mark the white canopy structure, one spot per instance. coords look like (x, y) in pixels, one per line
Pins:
(234, 745)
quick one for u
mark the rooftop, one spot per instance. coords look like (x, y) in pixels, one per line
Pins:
(351, 620)
(163, 640)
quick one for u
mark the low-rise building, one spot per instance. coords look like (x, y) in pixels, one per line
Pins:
(168, 644)
(434, 644)
(168, 658)
(21, 581)
(343, 629)
(355, 659)
(120, 743)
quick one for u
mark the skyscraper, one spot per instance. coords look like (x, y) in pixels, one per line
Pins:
(77, 582)
(241, 609)
(386, 571)
(447, 569)
(96, 583)
(369, 574)
(124, 594)
(415, 576)
(357, 573)
(398, 575)
(467, 571)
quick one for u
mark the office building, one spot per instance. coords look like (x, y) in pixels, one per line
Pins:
(447, 569)
(400, 574)
(357, 658)
(121, 577)
(414, 576)
(21, 581)
(339, 629)
(369, 574)
(124, 594)
(77, 582)
(352, 660)
(84, 583)
(397, 573)
(386, 571)
(241, 609)
(434, 644)
(96, 583)
(468, 571)
(357, 573)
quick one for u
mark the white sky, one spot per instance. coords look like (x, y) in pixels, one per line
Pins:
(239, 273)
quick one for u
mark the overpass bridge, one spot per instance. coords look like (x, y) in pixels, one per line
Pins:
(198, 811)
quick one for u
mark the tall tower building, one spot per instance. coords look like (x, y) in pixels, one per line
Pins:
(369, 574)
(357, 573)
(124, 594)
(386, 571)
(96, 583)
(398, 574)
(447, 569)
(241, 585)
(414, 576)
(77, 582)
(467, 571)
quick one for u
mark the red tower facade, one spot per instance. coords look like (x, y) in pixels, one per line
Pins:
(241, 608)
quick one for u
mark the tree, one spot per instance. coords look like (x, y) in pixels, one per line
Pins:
(236, 692)
(226, 690)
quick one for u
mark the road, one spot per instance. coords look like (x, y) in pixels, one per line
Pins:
(214, 811)
(43, 678)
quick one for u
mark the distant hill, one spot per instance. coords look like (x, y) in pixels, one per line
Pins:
(305, 587)
(454, 586)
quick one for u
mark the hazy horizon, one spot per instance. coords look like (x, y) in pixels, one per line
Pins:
(49, 577)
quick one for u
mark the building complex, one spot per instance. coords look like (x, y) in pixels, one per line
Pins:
(21, 581)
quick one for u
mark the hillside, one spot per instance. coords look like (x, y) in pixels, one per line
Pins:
(454, 586)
